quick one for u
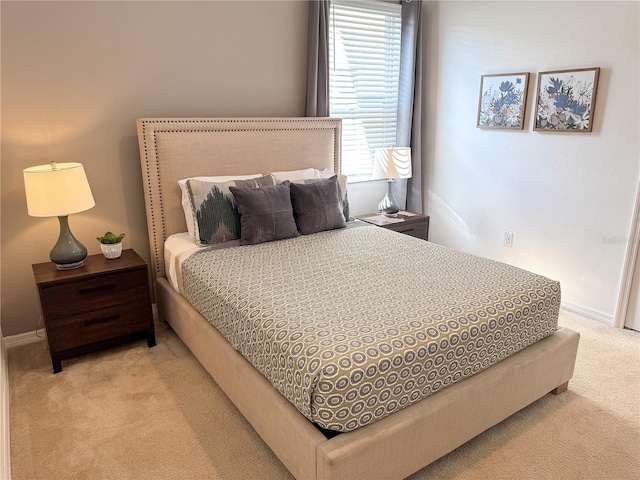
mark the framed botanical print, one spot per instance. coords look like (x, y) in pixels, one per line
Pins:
(565, 100)
(502, 100)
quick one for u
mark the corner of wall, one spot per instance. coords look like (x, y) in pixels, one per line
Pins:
(5, 453)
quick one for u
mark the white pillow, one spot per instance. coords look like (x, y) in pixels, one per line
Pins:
(326, 173)
(306, 174)
(299, 176)
(186, 203)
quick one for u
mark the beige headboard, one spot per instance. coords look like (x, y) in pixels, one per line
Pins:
(175, 148)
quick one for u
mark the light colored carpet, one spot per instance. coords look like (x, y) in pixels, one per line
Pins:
(139, 413)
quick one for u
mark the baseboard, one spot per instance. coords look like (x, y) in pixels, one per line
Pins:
(24, 338)
(5, 440)
(32, 337)
(589, 312)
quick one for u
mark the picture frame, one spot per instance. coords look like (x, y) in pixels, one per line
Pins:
(502, 102)
(566, 99)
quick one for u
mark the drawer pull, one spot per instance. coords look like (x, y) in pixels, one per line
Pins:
(407, 231)
(97, 321)
(101, 288)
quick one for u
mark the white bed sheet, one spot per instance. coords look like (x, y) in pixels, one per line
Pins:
(180, 246)
(177, 248)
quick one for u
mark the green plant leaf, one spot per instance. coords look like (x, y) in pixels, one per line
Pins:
(109, 238)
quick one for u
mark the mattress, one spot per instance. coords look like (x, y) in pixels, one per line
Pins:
(355, 324)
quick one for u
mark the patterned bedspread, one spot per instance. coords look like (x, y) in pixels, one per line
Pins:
(352, 325)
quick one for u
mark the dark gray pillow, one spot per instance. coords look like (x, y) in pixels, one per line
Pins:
(265, 213)
(342, 192)
(316, 205)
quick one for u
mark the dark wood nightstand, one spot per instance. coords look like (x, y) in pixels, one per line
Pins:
(99, 305)
(409, 223)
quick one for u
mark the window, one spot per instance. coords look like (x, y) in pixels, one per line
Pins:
(364, 52)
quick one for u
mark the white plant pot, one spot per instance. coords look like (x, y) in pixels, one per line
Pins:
(111, 250)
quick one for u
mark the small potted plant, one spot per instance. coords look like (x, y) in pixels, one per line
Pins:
(111, 244)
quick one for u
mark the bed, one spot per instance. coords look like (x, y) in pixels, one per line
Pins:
(407, 437)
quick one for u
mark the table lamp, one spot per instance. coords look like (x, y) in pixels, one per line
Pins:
(58, 190)
(391, 163)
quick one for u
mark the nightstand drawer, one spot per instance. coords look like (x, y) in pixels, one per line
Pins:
(419, 230)
(75, 298)
(101, 325)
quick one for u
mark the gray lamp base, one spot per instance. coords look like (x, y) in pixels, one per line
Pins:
(69, 266)
(68, 252)
(389, 206)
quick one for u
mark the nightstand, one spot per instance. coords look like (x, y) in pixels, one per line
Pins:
(409, 223)
(101, 304)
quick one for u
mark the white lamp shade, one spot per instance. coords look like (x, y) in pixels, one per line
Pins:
(394, 162)
(57, 189)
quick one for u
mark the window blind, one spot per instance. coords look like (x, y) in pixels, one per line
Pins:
(364, 51)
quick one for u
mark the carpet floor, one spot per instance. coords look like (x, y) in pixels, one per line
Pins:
(138, 413)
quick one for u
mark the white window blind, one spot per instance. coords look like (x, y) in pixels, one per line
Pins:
(364, 51)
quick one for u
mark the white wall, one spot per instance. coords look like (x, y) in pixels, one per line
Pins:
(567, 197)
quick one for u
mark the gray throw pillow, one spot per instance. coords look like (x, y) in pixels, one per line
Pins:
(316, 205)
(342, 192)
(265, 213)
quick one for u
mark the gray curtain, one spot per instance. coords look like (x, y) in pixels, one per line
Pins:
(318, 60)
(408, 133)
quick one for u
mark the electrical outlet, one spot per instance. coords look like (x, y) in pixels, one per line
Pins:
(507, 240)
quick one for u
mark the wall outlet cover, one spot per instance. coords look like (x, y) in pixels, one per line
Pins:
(507, 239)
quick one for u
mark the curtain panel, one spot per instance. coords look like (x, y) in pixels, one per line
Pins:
(409, 126)
(318, 60)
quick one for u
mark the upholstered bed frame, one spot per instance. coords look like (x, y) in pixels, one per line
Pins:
(394, 447)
